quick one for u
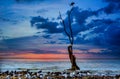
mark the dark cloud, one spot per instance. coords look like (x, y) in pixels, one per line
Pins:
(100, 25)
(28, 1)
(37, 20)
(42, 10)
(114, 1)
(2, 36)
(112, 7)
(7, 19)
(102, 31)
(18, 43)
(34, 1)
(52, 42)
(25, 45)
(4, 19)
(47, 36)
(1, 32)
(44, 23)
(113, 34)
(81, 15)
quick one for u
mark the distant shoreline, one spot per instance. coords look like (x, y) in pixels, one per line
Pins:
(65, 58)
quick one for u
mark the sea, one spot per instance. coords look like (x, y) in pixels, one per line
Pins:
(98, 66)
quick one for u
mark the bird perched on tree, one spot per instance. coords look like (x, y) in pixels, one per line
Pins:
(72, 3)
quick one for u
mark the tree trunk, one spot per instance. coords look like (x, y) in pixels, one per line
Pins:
(72, 59)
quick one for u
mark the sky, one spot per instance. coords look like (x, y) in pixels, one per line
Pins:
(33, 29)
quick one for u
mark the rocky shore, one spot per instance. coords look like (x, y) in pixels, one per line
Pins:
(54, 75)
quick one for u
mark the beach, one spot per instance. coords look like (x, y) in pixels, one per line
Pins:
(37, 69)
(54, 75)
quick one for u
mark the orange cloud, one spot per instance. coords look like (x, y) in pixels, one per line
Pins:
(37, 56)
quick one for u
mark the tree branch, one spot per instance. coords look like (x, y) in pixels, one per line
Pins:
(70, 26)
(65, 29)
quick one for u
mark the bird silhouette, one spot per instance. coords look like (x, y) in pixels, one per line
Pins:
(72, 3)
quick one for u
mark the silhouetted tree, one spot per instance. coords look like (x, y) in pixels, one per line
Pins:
(71, 39)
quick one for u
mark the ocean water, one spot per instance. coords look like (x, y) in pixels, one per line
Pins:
(111, 65)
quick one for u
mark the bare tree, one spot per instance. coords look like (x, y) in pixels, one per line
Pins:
(71, 39)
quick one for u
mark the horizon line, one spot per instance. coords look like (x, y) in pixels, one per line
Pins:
(59, 58)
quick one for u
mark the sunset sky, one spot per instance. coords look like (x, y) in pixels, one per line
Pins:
(32, 28)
